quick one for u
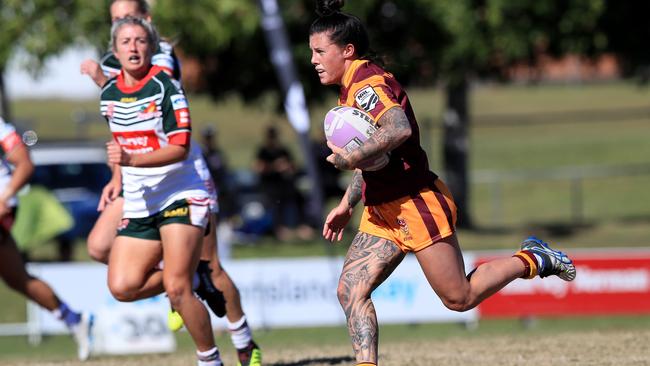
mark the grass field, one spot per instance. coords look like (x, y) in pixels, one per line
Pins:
(576, 341)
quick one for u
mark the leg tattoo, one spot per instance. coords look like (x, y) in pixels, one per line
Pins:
(370, 260)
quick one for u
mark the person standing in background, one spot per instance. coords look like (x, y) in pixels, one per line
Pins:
(277, 173)
(217, 164)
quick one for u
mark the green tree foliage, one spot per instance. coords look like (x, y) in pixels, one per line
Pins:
(40, 28)
(421, 40)
(225, 37)
(625, 24)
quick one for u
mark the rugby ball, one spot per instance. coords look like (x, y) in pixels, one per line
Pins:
(348, 128)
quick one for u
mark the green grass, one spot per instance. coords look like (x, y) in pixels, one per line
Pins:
(61, 348)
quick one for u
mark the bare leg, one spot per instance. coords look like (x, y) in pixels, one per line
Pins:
(370, 260)
(132, 273)
(443, 267)
(103, 233)
(224, 283)
(219, 276)
(12, 271)
(181, 252)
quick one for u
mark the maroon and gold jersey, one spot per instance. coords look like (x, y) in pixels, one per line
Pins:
(368, 87)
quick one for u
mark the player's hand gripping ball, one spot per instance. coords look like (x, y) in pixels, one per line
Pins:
(348, 128)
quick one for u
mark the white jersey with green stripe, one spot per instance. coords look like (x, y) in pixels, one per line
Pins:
(8, 141)
(144, 118)
(196, 155)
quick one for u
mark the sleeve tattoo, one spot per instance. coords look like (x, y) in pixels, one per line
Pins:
(394, 130)
(354, 189)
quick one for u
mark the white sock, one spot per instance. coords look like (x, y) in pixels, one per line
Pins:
(57, 313)
(240, 333)
(210, 357)
(540, 261)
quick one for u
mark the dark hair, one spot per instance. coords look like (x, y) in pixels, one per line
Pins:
(342, 28)
(142, 5)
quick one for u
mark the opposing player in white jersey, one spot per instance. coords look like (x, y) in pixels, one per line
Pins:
(215, 286)
(12, 268)
(165, 200)
(108, 65)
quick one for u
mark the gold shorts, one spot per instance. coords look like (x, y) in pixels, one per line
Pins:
(413, 222)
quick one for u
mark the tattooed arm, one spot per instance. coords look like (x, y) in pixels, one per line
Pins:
(394, 130)
(352, 195)
(341, 214)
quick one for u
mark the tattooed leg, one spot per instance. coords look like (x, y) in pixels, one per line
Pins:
(370, 260)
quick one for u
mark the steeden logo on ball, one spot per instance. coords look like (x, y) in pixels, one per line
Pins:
(348, 128)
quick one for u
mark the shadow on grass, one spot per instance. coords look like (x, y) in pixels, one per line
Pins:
(316, 361)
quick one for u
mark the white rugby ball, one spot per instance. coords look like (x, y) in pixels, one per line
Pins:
(348, 128)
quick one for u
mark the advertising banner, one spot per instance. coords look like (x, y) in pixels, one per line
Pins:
(302, 292)
(120, 328)
(274, 292)
(608, 282)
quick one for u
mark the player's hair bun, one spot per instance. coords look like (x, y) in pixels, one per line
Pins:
(328, 7)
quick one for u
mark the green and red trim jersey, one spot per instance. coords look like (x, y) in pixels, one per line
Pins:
(9, 140)
(143, 118)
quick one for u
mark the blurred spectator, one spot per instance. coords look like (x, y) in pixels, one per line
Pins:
(277, 176)
(218, 167)
(328, 174)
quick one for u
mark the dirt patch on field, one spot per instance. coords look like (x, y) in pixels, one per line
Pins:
(615, 348)
(584, 348)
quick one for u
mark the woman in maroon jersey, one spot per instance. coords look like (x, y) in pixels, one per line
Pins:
(407, 207)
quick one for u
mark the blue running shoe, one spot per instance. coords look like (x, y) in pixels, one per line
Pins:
(553, 262)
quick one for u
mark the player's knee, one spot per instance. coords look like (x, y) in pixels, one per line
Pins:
(98, 255)
(98, 250)
(456, 302)
(347, 297)
(343, 295)
(123, 289)
(176, 289)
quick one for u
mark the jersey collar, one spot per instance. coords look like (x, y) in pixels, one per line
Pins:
(349, 73)
(154, 70)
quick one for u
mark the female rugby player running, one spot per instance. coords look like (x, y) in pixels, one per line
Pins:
(16, 168)
(165, 200)
(215, 285)
(407, 207)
